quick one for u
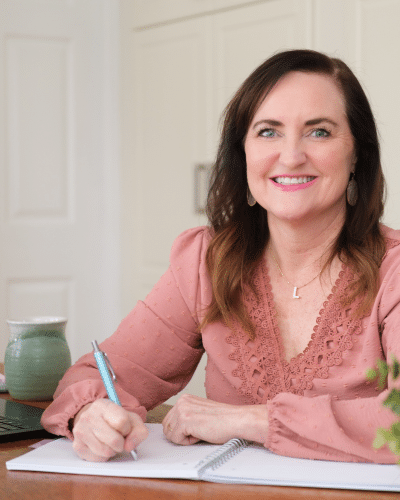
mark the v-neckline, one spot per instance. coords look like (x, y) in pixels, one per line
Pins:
(330, 299)
(260, 362)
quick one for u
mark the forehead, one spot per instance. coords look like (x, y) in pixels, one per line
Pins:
(301, 93)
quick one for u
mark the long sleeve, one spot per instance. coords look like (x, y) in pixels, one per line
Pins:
(321, 428)
(155, 349)
(320, 405)
(324, 426)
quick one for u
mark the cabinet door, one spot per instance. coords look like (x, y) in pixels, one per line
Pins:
(170, 110)
(366, 37)
(378, 64)
(152, 12)
(244, 38)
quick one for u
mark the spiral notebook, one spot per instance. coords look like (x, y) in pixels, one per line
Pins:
(237, 461)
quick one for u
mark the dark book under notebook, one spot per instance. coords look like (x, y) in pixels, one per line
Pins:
(20, 421)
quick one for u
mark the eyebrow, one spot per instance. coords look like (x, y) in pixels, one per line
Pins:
(314, 121)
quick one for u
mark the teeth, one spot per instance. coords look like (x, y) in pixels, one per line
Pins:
(286, 181)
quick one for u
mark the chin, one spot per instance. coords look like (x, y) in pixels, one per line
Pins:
(295, 217)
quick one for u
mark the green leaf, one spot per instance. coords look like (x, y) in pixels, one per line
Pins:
(382, 437)
(393, 401)
(389, 437)
(382, 366)
(395, 369)
(394, 446)
(383, 369)
(395, 429)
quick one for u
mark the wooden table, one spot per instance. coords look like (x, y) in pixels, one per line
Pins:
(19, 485)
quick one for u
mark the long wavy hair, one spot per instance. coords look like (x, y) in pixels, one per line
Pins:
(240, 232)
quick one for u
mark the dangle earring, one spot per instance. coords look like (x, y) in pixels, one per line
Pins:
(250, 198)
(352, 191)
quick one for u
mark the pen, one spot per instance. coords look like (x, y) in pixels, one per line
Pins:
(107, 375)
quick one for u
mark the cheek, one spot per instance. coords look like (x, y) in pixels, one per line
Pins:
(258, 161)
(336, 164)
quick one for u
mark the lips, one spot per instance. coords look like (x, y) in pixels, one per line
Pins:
(289, 181)
(290, 184)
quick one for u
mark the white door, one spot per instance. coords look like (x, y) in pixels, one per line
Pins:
(183, 74)
(58, 181)
(365, 34)
(170, 112)
(245, 37)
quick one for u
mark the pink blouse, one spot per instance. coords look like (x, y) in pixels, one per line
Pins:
(320, 404)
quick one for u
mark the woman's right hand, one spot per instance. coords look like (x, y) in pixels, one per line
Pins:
(102, 428)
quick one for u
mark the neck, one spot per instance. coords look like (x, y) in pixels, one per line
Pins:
(302, 248)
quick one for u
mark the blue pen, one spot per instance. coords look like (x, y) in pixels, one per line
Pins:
(107, 375)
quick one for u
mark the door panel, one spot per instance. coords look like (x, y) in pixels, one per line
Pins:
(59, 196)
(378, 61)
(244, 38)
(170, 123)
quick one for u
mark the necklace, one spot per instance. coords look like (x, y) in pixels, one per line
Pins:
(295, 288)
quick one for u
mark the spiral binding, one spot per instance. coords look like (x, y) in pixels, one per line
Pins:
(221, 455)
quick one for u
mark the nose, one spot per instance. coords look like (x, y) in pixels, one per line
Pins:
(292, 153)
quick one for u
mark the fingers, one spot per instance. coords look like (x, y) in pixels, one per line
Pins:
(193, 419)
(137, 434)
(102, 429)
(177, 434)
(96, 431)
(91, 454)
(177, 422)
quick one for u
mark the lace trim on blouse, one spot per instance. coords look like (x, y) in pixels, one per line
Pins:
(261, 365)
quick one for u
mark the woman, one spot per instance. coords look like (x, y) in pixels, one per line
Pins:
(292, 291)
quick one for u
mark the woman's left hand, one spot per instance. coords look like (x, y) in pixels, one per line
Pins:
(195, 419)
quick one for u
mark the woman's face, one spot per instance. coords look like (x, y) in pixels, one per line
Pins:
(300, 150)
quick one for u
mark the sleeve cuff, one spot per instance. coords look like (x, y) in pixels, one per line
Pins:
(57, 417)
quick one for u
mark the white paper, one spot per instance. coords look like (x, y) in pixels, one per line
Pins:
(159, 458)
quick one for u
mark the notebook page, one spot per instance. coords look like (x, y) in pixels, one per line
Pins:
(157, 457)
(257, 465)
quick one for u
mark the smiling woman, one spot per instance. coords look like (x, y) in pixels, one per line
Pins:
(292, 291)
(298, 166)
(299, 112)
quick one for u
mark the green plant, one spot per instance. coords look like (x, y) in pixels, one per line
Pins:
(390, 436)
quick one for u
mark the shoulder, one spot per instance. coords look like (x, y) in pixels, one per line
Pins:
(191, 245)
(188, 266)
(392, 240)
(392, 236)
(389, 271)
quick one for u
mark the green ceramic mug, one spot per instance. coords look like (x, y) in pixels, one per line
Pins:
(36, 357)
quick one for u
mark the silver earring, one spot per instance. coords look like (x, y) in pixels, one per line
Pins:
(250, 198)
(352, 191)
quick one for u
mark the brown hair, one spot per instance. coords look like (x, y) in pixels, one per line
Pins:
(240, 232)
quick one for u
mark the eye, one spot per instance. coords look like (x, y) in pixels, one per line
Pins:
(267, 132)
(320, 133)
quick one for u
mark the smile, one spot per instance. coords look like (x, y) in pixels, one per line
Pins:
(288, 181)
